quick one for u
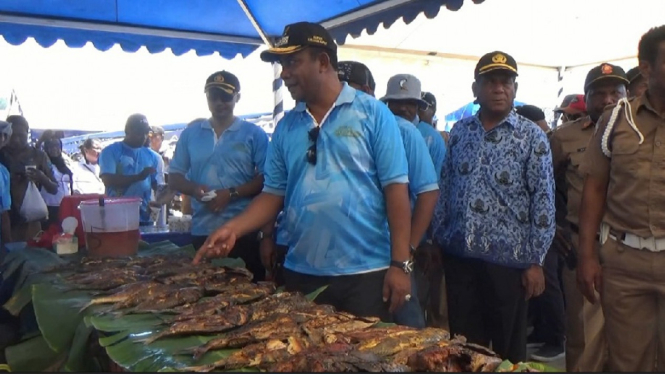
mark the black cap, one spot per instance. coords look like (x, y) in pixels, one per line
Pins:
(494, 61)
(634, 74)
(135, 120)
(355, 72)
(298, 36)
(531, 112)
(223, 81)
(429, 98)
(602, 72)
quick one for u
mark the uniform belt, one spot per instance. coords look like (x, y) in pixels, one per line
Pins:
(647, 244)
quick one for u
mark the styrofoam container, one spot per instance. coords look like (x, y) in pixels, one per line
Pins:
(117, 215)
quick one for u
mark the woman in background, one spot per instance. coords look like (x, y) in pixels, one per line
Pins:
(86, 175)
(63, 176)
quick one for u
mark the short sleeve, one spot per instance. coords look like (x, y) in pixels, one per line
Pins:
(260, 149)
(422, 173)
(181, 161)
(275, 165)
(388, 148)
(107, 160)
(158, 177)
(5, 196)
(595, 163)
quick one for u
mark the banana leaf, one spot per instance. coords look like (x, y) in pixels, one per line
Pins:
(32, 355)
(23, 296)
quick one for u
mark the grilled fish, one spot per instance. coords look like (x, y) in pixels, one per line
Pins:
(390, 345)
(201, 325)
(121, 293)
(263, 353)
(142, 295)
(277, 327)
(169, 299)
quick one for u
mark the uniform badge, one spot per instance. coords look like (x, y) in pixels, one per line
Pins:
(219, 78)
(499, 58)
(606, 69)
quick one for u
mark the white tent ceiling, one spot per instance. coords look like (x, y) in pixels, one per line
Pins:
(551, 33)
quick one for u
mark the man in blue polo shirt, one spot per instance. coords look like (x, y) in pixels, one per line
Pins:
(402, 100)
(423, 182)
(226, 155)
(128, 169)
(336, 164)
(5, 197)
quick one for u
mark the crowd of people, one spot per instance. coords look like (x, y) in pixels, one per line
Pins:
(499, 224)
(113, 171)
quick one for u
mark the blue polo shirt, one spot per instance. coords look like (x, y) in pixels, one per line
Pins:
(435, 144)
(121, 159)
(422, 175)
(236, 158)
(335, 217)
(5, 197)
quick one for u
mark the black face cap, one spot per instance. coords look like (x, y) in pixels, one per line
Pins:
(603, 72)
(634, 74)
(531, 112)
(494, 61)
(355, 72)
(429, 98)
(298, 36)
(224, 81)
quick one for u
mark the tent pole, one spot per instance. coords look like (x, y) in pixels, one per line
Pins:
(278, 108)
(561, 71)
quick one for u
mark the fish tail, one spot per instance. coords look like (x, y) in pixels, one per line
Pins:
(198, 352)
(86, 306)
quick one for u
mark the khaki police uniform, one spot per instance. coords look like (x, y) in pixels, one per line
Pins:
(586, 348)
(632, 235)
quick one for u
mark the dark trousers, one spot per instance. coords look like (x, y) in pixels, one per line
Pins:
(246, 248)
(486, 304)
(548, 309)
(359, 294)
(278, 271)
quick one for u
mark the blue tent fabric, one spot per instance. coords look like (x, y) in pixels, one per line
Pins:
(206, 26)
(469, 110)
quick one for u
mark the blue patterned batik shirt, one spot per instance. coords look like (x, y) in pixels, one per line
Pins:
(497, 193)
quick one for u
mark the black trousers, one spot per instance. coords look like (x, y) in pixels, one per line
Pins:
(359, 294)
(486, 304)
(246, 248)
(548, 309)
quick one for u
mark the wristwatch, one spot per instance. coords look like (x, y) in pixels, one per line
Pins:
(233, 193)
(406, 266)
(262, 235)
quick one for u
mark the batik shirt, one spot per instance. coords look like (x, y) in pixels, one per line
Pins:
(497, 193)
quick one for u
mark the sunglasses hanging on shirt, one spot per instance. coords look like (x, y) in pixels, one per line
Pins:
(311, 151)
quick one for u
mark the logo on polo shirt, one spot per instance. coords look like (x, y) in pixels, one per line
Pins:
(347, 132)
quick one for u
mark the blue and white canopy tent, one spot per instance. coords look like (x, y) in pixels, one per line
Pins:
(228, 27)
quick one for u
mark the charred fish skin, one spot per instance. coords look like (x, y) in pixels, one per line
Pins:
(170, 299)
(278, 326)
